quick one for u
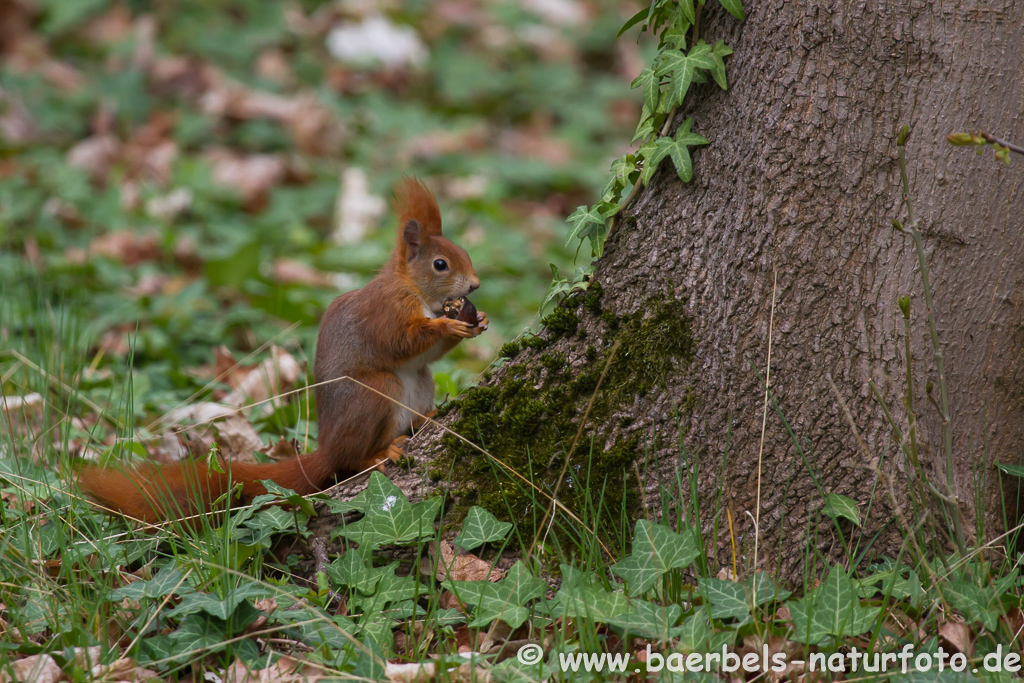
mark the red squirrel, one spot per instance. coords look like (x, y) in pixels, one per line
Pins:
(384, 335)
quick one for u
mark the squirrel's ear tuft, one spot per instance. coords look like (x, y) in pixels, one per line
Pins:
(414, 202)
(412, 239)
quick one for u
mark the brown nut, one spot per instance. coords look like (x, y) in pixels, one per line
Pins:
(461, 309)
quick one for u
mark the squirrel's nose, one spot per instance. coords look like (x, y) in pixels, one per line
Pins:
(474, 285)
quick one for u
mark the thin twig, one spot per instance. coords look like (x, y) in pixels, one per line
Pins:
(992, 139)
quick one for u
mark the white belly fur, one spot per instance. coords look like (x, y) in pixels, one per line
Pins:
(417, 387)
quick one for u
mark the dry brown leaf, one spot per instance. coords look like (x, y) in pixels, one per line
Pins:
(268, 605)
(285, 670)
(198, 413)
(34, 669)
(253, 175)
(64, 212)
(428, 672)
(153, 162)
(492, 639)
(273, 65)
(1015, 619)
(16, 501)
(60, 74)
(17, 125)
(558, 12)
(959, 636)
(186, 77)
(95, 155)
(466, 639)
(535, 143)
(113, 26)
(423, 672)
(272, 377)
(10, 633)
(287, 271)
(32, 402)
(127, 246)
(15, 23)
(441, 142)
(312, 126)
(315, 129)
(449, 601)
(465, 567)
(171, 205)
(237, 439)
(283, 449)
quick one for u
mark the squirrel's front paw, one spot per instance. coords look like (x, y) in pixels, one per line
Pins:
(460, 329)
(481, 321)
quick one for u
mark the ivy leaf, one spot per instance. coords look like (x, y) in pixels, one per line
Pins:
(351, 570)
(291, 497)
(589, 223)
(624, 166)
(391, 589)
(832, 609)
(694, 632)
(674, 38)
(686, 8)
(683, 67)
(734, 7)
(808, 626)
(197, 633)
(160, 585)
(216, 606)
(592, 602)
(505, 599)
(837, 506)
(481, 527)
(1012, 470)
(389, 517)
(975, 603)
(656, 550)
(646, 126)
(835, 598)
(650, 82)
(718, 53)
(650, 620)
(766, 591)
(728, 598)
(642, 15)
(677, 149)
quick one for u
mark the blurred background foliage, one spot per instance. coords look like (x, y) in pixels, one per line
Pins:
(178, 176)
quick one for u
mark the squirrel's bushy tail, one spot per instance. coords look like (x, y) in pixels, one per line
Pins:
(160, 493)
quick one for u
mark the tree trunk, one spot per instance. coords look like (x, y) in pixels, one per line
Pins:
(798, 186)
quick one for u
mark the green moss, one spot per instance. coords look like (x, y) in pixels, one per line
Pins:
(562, 321)
(534, 342)
(510, 349)
(689, 400)
(592, 299)
(529, 418)
(553, 362)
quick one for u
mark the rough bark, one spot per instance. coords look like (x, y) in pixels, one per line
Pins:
(800, 182)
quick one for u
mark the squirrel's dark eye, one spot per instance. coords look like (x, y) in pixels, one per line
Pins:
(440, 265)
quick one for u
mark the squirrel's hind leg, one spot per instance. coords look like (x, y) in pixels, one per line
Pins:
(392, 453)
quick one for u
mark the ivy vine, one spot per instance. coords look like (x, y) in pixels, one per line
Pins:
(683, 59)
